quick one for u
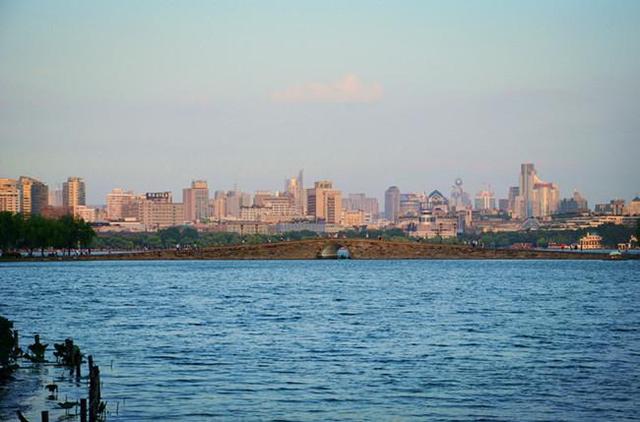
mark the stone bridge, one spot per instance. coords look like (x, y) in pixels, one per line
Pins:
(356, 249)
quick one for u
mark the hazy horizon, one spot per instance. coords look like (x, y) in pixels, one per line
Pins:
(149, 95)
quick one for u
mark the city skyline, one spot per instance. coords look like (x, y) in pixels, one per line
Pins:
(365, 94)
(177, 188)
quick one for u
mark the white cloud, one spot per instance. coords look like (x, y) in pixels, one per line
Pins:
(349, 89)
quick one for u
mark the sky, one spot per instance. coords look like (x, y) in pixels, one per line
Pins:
(149, 95)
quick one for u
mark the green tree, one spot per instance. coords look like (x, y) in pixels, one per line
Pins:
(11, 231)
(86, 234)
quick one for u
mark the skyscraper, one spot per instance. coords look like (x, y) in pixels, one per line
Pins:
(73, 194)
(537, 198)
(392, 203)
(528, 179)
(34, 196)
(196, 201)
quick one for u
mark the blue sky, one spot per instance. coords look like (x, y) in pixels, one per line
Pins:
(148, 95)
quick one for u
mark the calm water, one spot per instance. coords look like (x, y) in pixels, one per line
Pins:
(339, 340)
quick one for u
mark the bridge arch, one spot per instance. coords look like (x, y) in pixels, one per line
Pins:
(334, 251)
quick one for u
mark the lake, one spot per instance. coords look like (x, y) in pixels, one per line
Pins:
(336, 340)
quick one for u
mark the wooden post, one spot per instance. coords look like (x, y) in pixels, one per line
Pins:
(45, 416)
(94, 392)
(77, 360)
(83, 410)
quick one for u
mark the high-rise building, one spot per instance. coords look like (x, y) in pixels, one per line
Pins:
(324, 202)
(392, 204)
(73, 194)
(55, 197)
(294, 187)
(196, 201)
(528, 179)
(512, 198)
(9, 195)
(485, 200)
(219, 205)
(360, 202)
(117, 201)
(34, 196)
(546, 199)
(536, 197)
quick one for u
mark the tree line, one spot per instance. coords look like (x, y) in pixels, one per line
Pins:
(611, 234)
(188, 236)
(18, 232)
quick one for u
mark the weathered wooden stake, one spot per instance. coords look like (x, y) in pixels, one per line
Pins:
(45, 416)
(94, 391)
(77, 360)
(83, 410)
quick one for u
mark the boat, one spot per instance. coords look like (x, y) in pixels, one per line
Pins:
(615, 255)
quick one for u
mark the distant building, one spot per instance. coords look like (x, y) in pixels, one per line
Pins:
(590, 241)
(34, 196)
(324, 202)
(431, 225)
(55, 197)
(73, 194)
(575, 205)
(88, 214)
(353, 218)
(360, 202)
(392, 204)
(9, 195)
(218, 205)
(117, 200)
(294, 187)
(528, 178)
(411, 204)
(513, 198)
(536, 198)
(485, 200)
(438, 203)
(155, 210)
(546, 199)
(196, 201)
(234, 201)
(614, 207)
(459, 198)
(634, 206)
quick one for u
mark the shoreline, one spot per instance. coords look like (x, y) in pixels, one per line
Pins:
(358, 249)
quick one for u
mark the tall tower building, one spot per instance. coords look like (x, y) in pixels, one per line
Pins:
(324, 202)
(196, 201)
(73, 194)
(34, 196)
(528, 179)
(392, 204)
